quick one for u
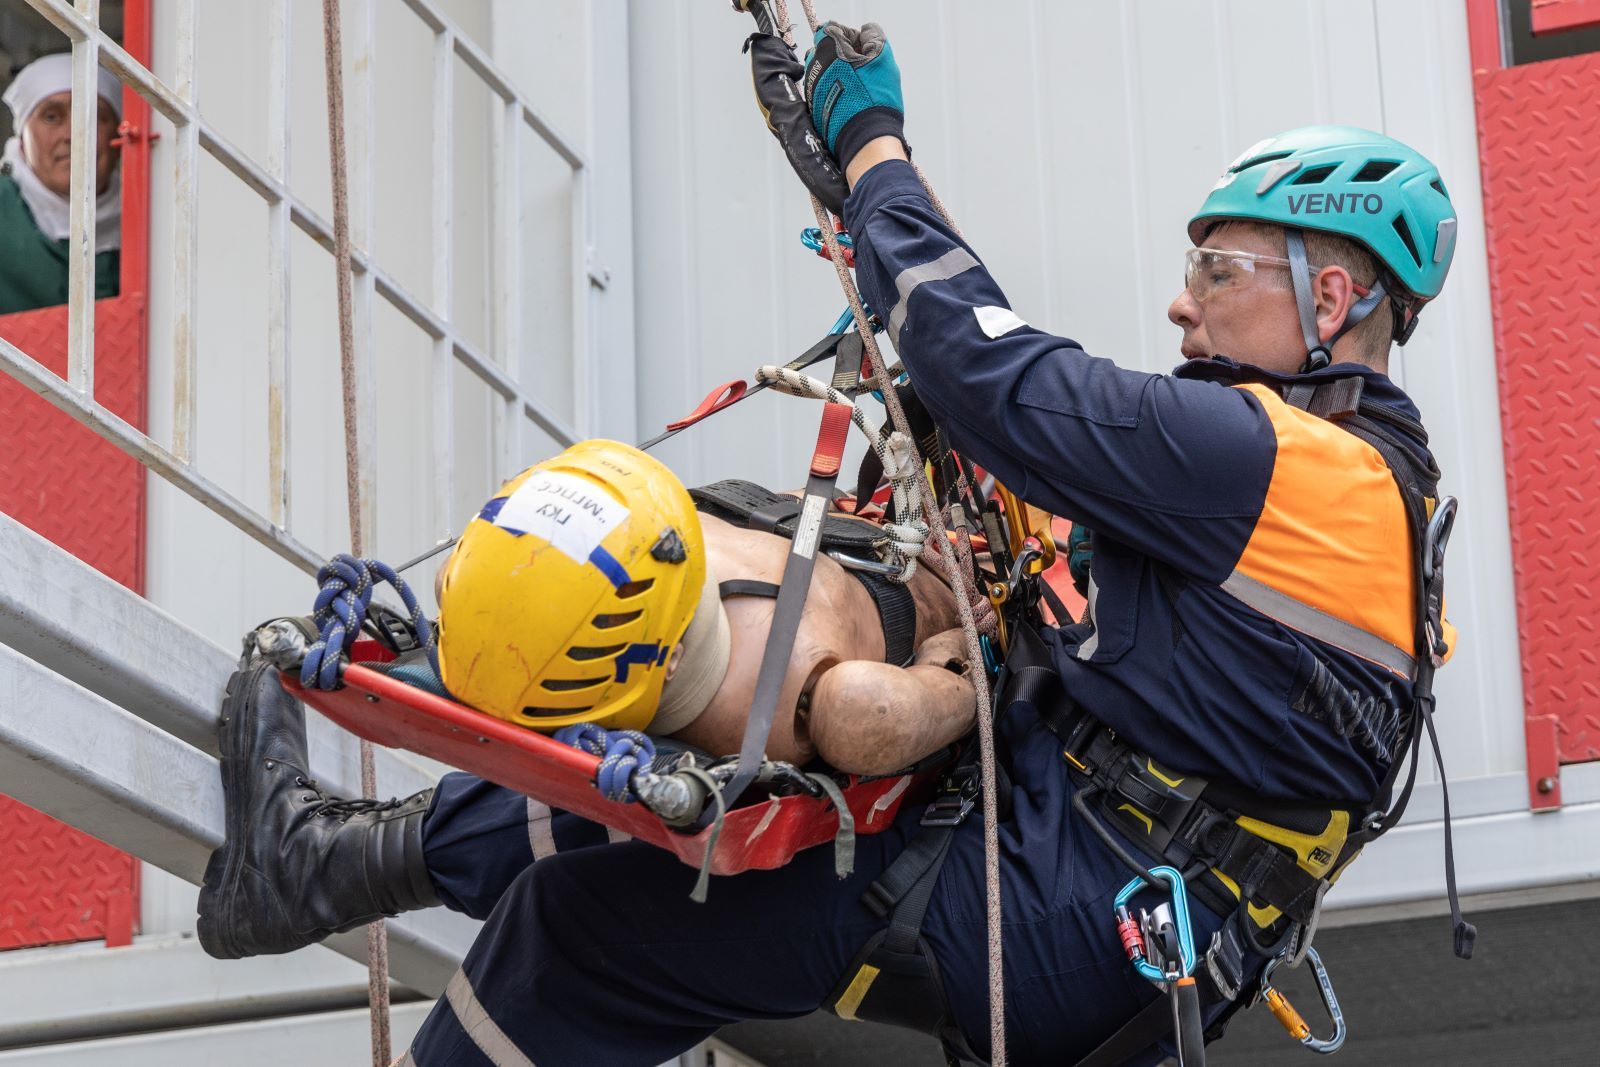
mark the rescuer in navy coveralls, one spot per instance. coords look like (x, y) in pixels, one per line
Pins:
(1234, 534)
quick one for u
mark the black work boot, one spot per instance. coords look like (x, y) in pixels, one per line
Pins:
(298, 864)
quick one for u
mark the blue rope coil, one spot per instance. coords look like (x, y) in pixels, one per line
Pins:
(346, 585)
(623, 753)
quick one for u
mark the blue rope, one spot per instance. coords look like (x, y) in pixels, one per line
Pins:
(623, 753)
(346, 588)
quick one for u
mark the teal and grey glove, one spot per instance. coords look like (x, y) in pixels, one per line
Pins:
(1080, 553)
(853, 87)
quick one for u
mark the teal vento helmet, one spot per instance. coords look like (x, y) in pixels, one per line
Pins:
(1355, 183)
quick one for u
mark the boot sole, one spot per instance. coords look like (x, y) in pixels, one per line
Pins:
(226, 865)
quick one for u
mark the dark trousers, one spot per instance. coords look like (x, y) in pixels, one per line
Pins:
(596, 955)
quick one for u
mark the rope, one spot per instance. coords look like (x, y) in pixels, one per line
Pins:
(333, 54)
(346, 585)
(898, 454)
(897, 416)
(623, 754)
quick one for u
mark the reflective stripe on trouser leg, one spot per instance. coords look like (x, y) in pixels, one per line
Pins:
(541, 838)
(479, 836)
(474, 1020)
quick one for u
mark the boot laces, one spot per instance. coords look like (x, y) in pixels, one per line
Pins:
(337, 807)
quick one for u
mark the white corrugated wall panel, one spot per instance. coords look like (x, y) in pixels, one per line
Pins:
(1071, 142)
(199, 567)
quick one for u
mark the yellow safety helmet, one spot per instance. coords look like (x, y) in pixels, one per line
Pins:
(565, 596)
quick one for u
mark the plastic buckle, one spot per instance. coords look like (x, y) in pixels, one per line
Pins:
(956, 797)
(397, 628)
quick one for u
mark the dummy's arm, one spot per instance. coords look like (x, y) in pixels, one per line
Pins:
(875, 718)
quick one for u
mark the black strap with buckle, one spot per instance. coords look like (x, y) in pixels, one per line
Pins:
(1172, 818)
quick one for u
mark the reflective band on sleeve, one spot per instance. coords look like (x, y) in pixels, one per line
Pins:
(484, 1031)
(1318, 624)
(950, 264)
(540, 837)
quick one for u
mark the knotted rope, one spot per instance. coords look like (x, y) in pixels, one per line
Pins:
(345, 588)
(623, 754)
(897, 417)
(902, 465)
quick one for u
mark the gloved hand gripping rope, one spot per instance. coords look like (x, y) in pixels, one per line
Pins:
(885, 122)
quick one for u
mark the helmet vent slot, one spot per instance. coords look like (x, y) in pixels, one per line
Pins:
(1256, 161)
(1404, 231)
(1316, 175)
(1376, 170)
(621, 618)
(633, 589)
(1438, 187)
(568, 685)
(540, 713)
(588, 652)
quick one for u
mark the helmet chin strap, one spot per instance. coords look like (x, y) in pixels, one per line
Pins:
(1318, 354)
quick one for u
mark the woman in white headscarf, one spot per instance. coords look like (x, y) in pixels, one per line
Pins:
(35, 175)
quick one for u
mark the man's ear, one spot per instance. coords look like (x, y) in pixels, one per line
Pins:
(1335, 293)
(674, 661)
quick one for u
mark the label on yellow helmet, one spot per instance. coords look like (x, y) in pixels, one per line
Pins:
(572, 513)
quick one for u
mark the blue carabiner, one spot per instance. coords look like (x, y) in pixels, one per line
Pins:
(1180, 915)
(811, 237)
(990, 662)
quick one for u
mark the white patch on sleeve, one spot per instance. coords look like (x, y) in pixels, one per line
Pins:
(997, 322)
(572, 514)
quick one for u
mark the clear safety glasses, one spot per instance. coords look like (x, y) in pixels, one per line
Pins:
(1211, 270)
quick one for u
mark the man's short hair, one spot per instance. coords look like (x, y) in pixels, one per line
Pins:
(1372, 336)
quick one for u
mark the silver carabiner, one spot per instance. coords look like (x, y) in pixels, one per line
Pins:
(1285, 1013)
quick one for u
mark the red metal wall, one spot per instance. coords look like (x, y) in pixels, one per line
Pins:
(1539, 137)
(60, 479)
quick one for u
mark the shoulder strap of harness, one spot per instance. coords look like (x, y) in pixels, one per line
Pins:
(1429, 522)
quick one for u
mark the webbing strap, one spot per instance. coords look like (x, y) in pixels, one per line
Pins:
(1304, 301)
(904, 890)
(747, 587)
(795, 585)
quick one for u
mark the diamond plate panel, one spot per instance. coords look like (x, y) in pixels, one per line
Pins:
(85, 495)
(1539, 135)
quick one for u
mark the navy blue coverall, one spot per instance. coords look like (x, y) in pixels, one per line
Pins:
(1233, 636)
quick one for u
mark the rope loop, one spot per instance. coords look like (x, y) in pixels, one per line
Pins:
(902, 465)
(345, 587)
(623, 754)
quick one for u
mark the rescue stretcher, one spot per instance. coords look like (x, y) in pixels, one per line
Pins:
(387, 711)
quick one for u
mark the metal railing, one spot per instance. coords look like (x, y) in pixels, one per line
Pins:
(516, 406)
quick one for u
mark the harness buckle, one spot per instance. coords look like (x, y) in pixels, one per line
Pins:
(956, 796)
(1157, 803)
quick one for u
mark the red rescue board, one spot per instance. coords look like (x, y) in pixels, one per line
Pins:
(388, 712)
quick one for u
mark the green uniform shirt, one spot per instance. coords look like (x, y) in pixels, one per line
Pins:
(33, 268)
